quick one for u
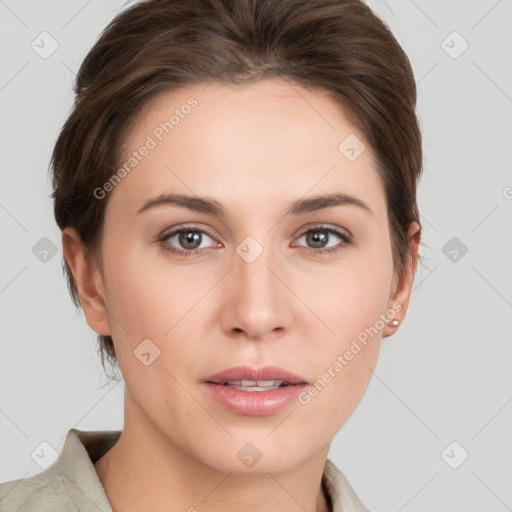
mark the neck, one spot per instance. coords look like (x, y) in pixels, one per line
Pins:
(145, 470)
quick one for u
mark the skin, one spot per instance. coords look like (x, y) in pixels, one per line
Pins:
(254, 148)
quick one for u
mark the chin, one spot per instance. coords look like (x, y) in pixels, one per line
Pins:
(256, 455)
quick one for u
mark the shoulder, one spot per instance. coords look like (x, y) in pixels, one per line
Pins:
(45, 491)
(70, 484)
(342, 495)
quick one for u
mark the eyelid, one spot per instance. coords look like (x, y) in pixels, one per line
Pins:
(320, 225)
(181, 227)
(190, 227)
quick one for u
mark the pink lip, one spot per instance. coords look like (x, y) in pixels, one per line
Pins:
(254, 403)
(248, 373)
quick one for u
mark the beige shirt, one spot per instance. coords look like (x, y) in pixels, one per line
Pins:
(71, 484)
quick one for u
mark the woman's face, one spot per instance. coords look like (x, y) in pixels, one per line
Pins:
(254, 286)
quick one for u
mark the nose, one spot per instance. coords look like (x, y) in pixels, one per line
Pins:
(257, 302)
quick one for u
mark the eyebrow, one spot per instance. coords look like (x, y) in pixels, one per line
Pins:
(213, 207)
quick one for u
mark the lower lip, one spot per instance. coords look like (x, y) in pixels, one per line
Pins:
(254, 403)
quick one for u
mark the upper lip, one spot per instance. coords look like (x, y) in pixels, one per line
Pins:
(248, 373)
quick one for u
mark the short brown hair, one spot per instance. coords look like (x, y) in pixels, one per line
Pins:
(336, 46)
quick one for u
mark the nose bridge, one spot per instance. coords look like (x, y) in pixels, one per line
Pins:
(258, 304)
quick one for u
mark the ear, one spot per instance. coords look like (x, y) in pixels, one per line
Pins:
(89, 282)
(401, 290)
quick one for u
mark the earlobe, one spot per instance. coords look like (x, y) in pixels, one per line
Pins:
(403, 288)
(89, 282)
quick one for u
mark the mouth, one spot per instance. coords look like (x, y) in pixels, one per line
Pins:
(254, 385)
(245, 378)
(255, 391)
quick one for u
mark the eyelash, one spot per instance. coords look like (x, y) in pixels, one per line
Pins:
(346, 240)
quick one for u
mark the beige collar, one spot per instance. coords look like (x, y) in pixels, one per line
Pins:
(83, 448)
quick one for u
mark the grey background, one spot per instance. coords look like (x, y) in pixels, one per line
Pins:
(444, 377)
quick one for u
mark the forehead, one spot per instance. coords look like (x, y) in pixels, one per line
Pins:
(265, 139)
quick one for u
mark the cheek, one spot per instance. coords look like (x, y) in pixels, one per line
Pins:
(352, 303)
(360, 301)
(150, 298)
(150, 301)
(143, 294)
(349, 296)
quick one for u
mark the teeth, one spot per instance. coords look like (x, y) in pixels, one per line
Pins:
(260, 383)
(263, 383)
(255, 385)
(254, 388)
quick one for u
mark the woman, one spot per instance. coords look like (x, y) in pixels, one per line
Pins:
(236, 190)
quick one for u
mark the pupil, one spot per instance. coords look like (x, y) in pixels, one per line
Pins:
(318, 238)
(189, 237)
